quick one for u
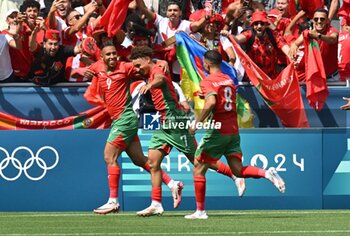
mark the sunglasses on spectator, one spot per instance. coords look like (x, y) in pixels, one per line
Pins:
(316, 19)
(259, 23)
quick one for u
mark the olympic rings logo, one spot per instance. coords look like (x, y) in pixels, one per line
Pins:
(34, 159)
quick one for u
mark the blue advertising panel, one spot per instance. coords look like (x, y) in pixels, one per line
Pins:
(48, 170)
(287, 150)
(52, 170)
(336, 168)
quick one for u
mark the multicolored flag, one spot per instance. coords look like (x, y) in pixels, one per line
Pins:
(114, 16)
(245, 115)
(282, 94)
(190, 54)
(316, 80)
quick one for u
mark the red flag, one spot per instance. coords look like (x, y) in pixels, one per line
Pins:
(292, 8)
(316, 82)
(92, 94)
(310, 6)
(114, 16)
(344, 11)
(282, 94)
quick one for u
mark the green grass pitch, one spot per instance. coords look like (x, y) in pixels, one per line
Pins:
(261, 222)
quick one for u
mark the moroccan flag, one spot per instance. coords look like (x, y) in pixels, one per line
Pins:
(190, 54)
(293, 6)
(282, 94)
(316, 82)
(114, 16)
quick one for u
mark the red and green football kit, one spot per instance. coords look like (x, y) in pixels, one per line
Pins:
(226, 140)
(115, 91)
(173, 131)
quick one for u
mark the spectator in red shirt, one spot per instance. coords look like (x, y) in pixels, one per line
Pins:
(262, 44)
(235, 9)
(280, 18)
(58, 13)
(76, 30)
(77, 66)
(297, 25)
(327, 38)
(22, 58)
(344, 50)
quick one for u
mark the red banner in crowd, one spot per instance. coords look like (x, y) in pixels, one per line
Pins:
(282, 94)
(114, 16)
(316, 81)
(344, 11)
(95, 118)
(309, 6)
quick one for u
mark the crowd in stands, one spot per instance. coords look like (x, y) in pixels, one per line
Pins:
(46, 42)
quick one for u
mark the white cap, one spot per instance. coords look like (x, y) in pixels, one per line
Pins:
(9, 12)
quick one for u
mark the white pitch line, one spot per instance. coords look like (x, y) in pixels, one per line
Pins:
(171, 213)
(199, 233)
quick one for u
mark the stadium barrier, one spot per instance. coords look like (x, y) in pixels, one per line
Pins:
(51, 170)
(57, 102)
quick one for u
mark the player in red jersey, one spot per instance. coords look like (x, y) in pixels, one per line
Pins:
(114, 88)
(220, 96)
(173, 131)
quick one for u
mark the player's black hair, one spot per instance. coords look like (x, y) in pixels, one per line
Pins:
(174, 3)
(29, 3)
(107, 44)
(321, 9)
(135, 18)
(214, 57)
(140, 52)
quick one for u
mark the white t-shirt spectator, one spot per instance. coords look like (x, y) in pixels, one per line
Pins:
(164, 29)
(5, 59)
(165, 32)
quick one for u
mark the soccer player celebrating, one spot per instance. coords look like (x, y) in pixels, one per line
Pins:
(113, 82)
(173, 132)
(220, 96)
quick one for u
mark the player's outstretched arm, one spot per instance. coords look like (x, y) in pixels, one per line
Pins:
(347, 105)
